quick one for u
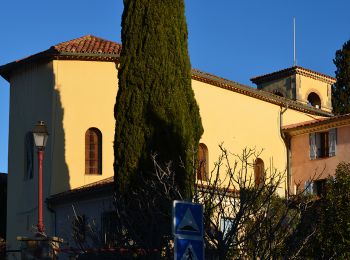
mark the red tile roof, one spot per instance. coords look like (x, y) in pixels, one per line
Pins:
(290, 71)
(90, 47)
(317, 124)
(256, 93)
(87, 47)
(88, 44)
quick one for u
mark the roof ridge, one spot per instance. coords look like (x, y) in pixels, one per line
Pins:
(254, 92)
(78, 38)
(258, 79)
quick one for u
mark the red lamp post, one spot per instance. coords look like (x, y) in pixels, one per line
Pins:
(40, 135)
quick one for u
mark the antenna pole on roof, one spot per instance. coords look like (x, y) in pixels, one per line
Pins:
(294, 61)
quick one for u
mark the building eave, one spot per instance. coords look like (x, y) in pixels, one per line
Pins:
(92, 48)
(103, 187)
(318, 125)
(49, 55)
(291, 71)
(255, 93)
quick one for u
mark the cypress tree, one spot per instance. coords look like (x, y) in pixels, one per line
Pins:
(155, 111)
(341, 89)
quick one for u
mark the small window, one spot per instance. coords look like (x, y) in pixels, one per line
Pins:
(320, 186)
(202, 172)
(259, 172)
(28, 156)
(93, 151)
(316, 187)
(226, 225)
(314, 100)
(323, 144)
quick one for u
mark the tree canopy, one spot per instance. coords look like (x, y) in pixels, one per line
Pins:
(332, 217)
(155, 111)
(341, 89)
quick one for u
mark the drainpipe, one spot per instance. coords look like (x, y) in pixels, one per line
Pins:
(287, 143)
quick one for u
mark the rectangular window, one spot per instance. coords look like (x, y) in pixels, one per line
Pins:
(316, 187)
(226, 225)
(323, 144)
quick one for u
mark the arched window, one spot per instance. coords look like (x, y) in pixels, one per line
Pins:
(93, 151)
(202, 172)
(314, 100)
(28, 156)
(259, 172)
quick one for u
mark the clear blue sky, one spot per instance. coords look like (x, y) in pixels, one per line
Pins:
(235, 39)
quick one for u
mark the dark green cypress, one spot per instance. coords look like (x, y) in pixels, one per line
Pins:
(341, 89)
(155, 111)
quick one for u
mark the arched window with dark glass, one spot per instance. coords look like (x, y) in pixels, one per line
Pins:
(314, 100)
(28, 156)
(259, 172)
(202, 171)
(93, 151)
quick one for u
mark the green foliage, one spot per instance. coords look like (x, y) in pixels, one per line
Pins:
(332, 240)
(155, 111)
(341, 89)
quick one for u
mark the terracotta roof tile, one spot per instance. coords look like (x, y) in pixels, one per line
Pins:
(255, 93)
(88, 44)
(90, 47)
(87, 47)
(317, 124)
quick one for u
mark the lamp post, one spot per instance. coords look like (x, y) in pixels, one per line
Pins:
(40, 135)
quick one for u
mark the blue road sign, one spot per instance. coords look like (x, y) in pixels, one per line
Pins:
(188, 219)
(187, 249)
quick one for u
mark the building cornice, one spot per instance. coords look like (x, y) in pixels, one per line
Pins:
(292, 71)
(318, 125)
(92, 48)
(256, 93)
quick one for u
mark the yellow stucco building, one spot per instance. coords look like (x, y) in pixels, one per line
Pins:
(72, 87)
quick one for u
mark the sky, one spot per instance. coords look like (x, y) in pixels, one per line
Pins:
(234, 39)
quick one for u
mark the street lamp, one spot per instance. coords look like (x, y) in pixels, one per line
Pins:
(40, 135)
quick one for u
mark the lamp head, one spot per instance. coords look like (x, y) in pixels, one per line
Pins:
(40, 135)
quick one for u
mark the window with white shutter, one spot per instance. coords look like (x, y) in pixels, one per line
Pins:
(313, 148)
(309, 187)
(332, 141)
(323, 144)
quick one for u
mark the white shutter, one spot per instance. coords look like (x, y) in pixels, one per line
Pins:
(332, 141)
(313, 148)
(309, 187)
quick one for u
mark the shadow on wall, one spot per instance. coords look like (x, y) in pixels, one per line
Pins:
(60, 172)
(60, 180)
(33, 98)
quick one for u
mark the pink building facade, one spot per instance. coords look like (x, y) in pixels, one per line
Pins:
(316, 148)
